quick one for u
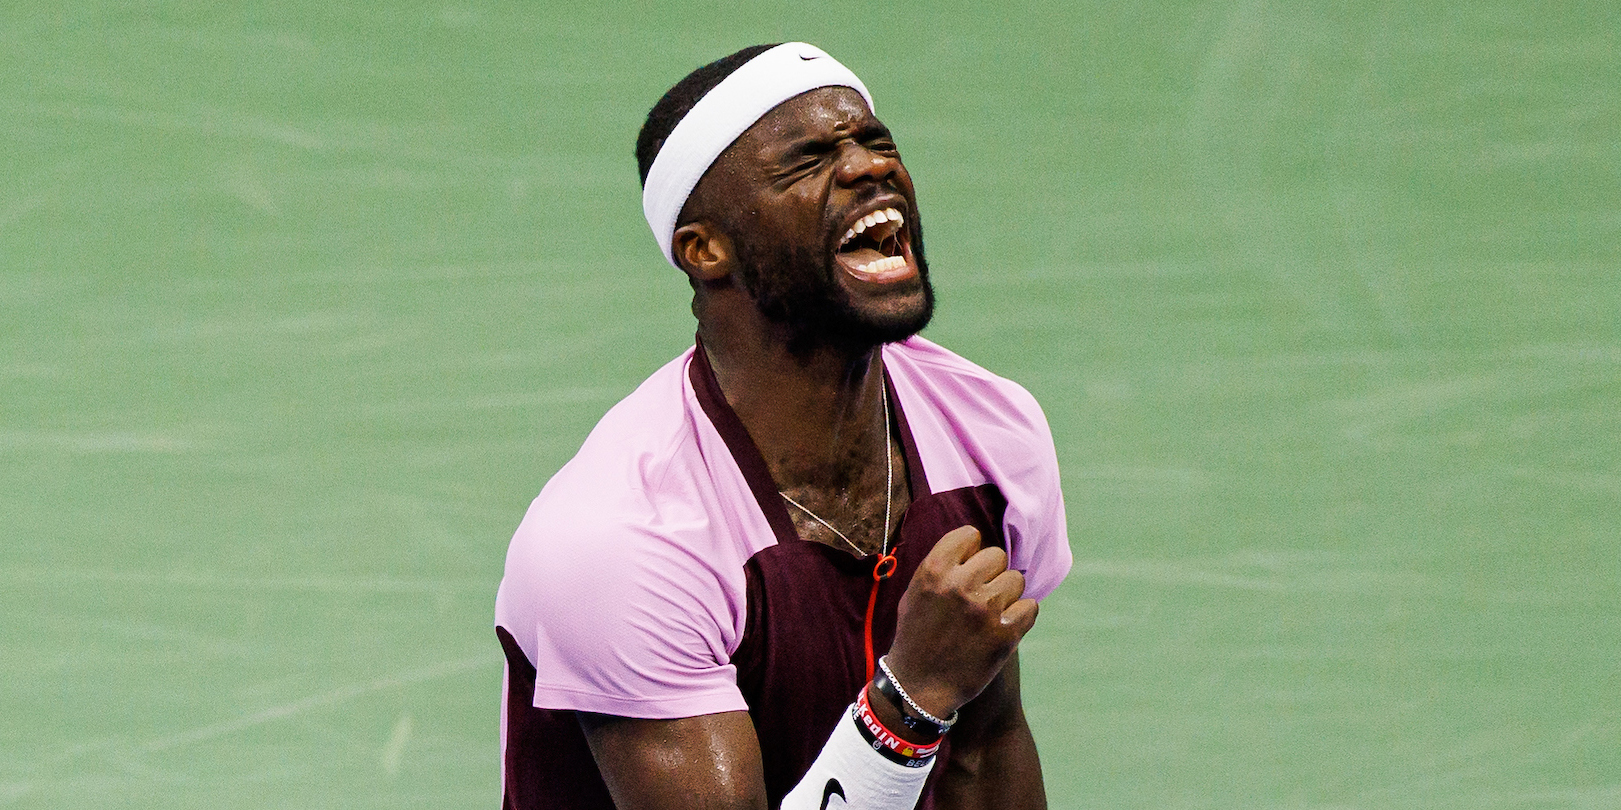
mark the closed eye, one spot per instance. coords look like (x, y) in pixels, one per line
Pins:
(803, 166)
(806, 158)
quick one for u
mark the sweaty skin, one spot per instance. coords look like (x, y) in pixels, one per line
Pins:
(786, 191)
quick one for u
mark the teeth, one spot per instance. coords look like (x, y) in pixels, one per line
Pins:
(884, 265)
(874, 218)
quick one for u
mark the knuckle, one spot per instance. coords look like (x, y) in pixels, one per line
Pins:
(977, 611)
(972, 604)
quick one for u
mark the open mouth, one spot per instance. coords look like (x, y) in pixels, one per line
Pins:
(875, 246)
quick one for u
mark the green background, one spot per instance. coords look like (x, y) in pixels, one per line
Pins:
(302, 302)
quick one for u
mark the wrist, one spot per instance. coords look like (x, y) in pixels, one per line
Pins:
(893, 745)
(886, 687)
(932, 695)
(896, 718)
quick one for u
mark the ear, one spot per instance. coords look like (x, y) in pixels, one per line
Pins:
(704, 252)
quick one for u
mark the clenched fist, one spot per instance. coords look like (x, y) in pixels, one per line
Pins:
(959, 620)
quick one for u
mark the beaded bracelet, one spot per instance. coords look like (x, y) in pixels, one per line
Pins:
(917, 719)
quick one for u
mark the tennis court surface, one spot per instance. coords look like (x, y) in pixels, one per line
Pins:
(301, 304)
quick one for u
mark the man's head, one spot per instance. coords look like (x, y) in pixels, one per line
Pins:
(786, 217)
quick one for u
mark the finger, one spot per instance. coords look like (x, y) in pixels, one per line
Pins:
(1004, 590)
(956, 546)
(984, 566)
(1021, 616)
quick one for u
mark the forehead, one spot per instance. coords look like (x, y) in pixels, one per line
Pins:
(826, 112)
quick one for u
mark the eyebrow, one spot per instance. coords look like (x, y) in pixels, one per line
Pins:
(811, 143)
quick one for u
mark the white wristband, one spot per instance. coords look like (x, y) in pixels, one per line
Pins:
(851, 773)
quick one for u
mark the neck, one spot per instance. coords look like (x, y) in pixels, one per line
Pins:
(815, 416)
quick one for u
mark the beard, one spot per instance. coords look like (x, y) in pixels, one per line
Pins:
(794, 288)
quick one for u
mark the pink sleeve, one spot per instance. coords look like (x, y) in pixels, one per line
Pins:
(621, 619)
(1035, 525)
(974, 427)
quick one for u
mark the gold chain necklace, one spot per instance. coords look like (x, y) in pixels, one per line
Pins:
(889, 487)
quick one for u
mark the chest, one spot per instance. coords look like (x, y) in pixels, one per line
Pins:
(810, 611)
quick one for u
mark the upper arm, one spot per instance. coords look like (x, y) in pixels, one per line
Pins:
(621, 619)
(710, 761)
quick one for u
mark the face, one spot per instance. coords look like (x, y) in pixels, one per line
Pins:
(824, 221)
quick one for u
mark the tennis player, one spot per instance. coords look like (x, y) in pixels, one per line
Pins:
(792, 569)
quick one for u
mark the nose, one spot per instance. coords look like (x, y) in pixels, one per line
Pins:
(857, 163)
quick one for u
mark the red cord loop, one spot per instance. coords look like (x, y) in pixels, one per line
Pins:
(885, 567)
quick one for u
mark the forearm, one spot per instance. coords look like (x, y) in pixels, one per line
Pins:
(866, 765)
(1002, 772)
(993, 761)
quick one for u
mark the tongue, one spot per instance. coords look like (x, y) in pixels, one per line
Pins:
(855, 259)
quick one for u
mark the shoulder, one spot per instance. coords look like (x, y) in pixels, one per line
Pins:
(626, 514)
(972, 397)
(974, 427)
(629, 492)
(639, 438)
(623, 591)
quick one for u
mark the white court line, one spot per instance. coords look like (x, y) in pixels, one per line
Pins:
(206, 580)
(394, 751)
(342, 694)
(1566, 480)
(1296, 579)
(12, 792)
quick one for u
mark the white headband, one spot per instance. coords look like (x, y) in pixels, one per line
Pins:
(722, 115)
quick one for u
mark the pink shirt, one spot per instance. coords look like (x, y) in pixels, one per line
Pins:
(625, 583)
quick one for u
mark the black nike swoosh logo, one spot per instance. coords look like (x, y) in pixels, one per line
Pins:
(833, 786)
(808, 58)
